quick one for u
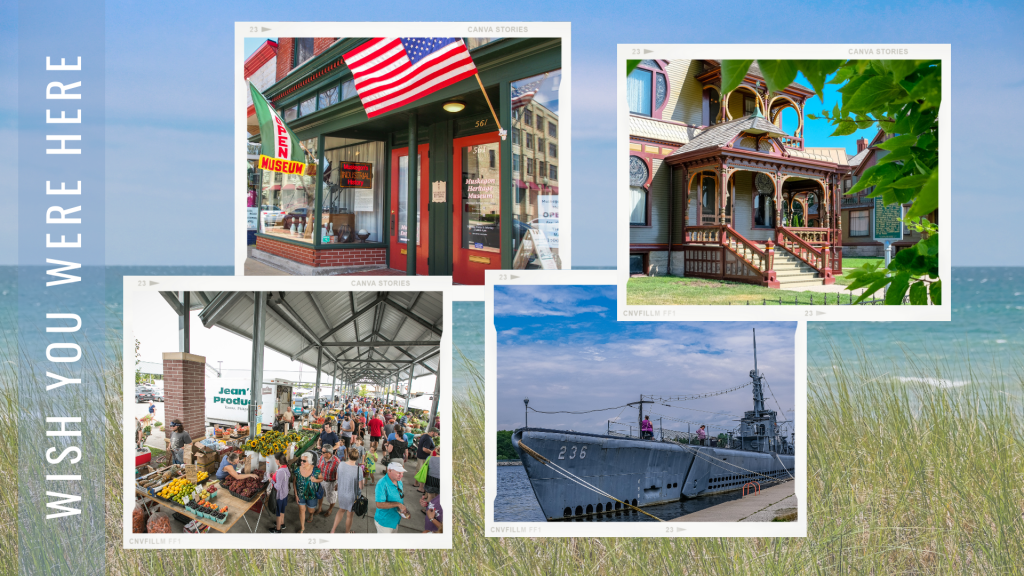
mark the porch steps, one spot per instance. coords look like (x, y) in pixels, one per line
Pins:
(792, 272)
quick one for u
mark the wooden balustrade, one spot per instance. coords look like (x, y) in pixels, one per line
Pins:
(704, 234)
(813, 236)
(799, 248)
(746, 250)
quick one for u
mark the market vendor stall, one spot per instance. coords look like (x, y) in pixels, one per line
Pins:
(236, 510)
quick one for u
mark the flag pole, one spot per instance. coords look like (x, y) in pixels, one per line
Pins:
(501, 131)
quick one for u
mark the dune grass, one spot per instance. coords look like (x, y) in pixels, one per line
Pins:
(902, 479)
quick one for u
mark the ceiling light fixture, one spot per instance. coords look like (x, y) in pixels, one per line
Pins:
(454, 106)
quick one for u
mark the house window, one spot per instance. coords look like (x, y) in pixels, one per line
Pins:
(529, 166)
(553, 171)
(712, 107)
(748, 105)
(638, 175)
(348, 90)
(552, 150)
(529, 140)
(860, 223)
(647, 89)
(291, 113)
(764, 210)
(540, 124)
(540, 145)
(303, 51)
(515, 136)
(542, 166)
(638, 206)
(528, 118)
(515, 163)
(638, 91)
(552, 129)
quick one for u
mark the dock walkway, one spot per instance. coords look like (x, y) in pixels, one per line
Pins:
(763, 507)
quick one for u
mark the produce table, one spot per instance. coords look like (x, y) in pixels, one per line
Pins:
(237, 509)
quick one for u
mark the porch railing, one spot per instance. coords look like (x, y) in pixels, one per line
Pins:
(704, 234)
(796, 246)
(745, 249)
(792, 142)
(813, 236)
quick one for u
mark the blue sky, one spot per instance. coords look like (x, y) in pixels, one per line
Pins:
(170, 86)
(817, 133)
(561, 347)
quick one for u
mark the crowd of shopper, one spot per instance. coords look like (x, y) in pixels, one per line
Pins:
(364, 443)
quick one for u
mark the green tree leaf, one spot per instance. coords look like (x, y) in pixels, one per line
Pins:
(733, 72)
(817, 71)
(778, 74)
(897, 289)
(844, 128)
(918, 294)
(875, 92)
(935, 291)
(928, 199)
(912, 181)
(898, 142)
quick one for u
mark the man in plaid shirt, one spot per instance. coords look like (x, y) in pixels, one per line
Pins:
(328, 464)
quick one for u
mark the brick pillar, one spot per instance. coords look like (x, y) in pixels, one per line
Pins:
(185, 392)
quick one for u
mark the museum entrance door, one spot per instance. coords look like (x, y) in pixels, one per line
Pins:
(477, 196)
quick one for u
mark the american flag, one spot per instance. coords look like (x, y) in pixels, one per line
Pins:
(392, 72)
(523, 95)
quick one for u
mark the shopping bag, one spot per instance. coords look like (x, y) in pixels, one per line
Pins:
(272, 499)
(421, 474)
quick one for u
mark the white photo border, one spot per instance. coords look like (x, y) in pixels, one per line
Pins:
(615, 529)
(215, 540)
(562, 30)
(942, 312)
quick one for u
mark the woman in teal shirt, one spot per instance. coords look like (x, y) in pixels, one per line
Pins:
(306, 483)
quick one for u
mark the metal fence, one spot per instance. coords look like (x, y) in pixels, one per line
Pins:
(822, 301)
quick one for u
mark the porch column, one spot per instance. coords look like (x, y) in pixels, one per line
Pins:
(259, 321)
(686, 202)
(723, 185)
(410, 256)
(778, 199)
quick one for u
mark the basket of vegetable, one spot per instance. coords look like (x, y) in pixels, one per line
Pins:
(247, 489)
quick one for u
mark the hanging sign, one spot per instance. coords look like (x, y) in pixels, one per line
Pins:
(355, 175)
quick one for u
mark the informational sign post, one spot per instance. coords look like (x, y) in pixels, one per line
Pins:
(888, 223)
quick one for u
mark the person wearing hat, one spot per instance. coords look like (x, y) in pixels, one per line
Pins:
(328, 464)
(346, 427)
(178, 440)
(389, 497)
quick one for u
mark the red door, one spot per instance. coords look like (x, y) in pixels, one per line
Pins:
(477, 199)
(399, 199)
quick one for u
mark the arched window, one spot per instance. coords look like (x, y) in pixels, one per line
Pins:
(638, 195)
(647, 89)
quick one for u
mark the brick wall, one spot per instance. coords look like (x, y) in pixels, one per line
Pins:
(311, 257)
(285, 46)
(321, 44)
(185, 392)
(286, 49)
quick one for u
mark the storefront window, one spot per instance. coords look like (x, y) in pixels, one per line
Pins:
(348, 90)
(308, 106)
(328, 97)
(403, 198)
(287, 200)
(291, 113)
(353, 191)
(534, 178)
(481, 200)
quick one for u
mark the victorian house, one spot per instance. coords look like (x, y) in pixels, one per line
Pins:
(719, 190)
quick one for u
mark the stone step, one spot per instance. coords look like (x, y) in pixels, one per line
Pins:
(799, 283)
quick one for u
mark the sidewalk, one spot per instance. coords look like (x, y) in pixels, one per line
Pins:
(763, 507)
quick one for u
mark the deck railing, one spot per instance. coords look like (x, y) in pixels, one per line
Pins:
(796, 246)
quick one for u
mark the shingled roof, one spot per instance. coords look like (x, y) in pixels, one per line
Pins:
(719, 135)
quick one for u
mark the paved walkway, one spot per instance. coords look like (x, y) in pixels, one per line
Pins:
(763, 507)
